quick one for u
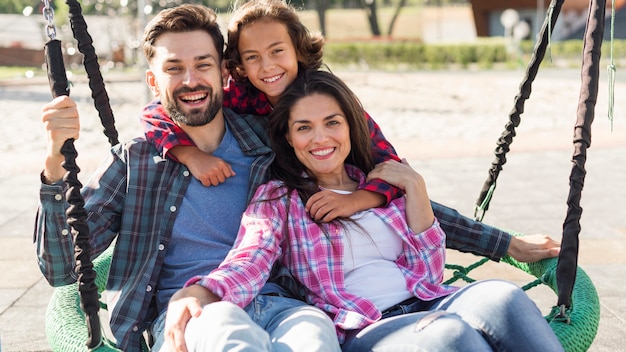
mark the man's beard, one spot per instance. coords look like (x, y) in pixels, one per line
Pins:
(195, 117)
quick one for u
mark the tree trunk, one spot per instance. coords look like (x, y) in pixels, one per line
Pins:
(321, 6)
(372, 16)
(396, 13)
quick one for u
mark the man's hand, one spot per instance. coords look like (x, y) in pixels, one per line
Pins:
(61, 122)
(185, 304)
(532, 248)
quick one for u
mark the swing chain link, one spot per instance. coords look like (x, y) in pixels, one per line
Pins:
(48, 15)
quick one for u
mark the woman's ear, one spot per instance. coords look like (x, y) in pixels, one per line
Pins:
(288, 139)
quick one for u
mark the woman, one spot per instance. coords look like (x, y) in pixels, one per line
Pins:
(378, 273)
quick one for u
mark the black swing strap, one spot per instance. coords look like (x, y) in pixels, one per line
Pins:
(590, 71)
(76, 214)
(92, 67)
(505, 140)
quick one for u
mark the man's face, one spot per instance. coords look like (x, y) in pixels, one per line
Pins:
(186, 74)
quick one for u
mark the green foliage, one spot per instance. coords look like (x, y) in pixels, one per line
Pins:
(16, 6)
(416, 55)
(406, 54)
(573, 48)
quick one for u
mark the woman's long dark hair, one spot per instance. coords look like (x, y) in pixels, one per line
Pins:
(286, 167)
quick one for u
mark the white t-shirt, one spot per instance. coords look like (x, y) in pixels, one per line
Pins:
(370, 251)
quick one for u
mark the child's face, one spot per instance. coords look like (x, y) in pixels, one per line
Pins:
(268, 57)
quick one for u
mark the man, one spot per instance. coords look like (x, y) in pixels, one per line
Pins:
(167, 227)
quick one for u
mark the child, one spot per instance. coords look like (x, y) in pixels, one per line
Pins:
(268, 46)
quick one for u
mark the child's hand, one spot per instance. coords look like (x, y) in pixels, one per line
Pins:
(209, 170)
(327, 205)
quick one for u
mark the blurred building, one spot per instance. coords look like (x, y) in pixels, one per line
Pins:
(22, 39)
(570, 24)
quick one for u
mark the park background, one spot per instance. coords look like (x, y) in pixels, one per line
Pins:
(444, 118)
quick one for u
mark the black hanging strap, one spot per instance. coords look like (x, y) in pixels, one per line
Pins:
(92, 67)
(505, 140)
(568, 257)
(76, 214)
(57, 76)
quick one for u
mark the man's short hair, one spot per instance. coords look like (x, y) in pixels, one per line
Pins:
(183, 18)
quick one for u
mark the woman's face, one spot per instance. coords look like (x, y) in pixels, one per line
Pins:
(319, 134)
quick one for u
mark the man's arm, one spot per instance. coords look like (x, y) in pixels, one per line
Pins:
(53, 240)
(470, 236)
(467, 235)
(52, 237)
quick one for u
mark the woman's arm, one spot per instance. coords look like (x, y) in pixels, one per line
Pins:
(248, 265)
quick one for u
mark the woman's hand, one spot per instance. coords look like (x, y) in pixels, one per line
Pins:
(419, 213)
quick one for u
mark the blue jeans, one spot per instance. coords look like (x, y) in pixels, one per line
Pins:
(489, 315)
(268, 323)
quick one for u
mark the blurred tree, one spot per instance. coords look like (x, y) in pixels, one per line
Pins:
(372, 16)
(396, 13)
(17, 6)
(321, 6)
(109, 7)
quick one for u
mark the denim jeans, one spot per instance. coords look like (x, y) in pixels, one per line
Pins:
(268, 323)
(489, 315)
(293, 325)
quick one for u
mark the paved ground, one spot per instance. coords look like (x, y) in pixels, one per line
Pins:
(444, 123)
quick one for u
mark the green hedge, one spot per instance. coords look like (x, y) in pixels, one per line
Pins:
(412, 55)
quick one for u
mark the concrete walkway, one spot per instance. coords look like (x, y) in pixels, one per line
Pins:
(445, 123)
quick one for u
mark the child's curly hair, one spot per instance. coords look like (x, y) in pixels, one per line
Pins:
(308, 46)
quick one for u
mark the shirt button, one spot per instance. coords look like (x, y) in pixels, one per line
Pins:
(161, 247)
(186, 173)
(149, 288)
(65, 232)
(58, 197)
(173, 208)
(135, 328)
